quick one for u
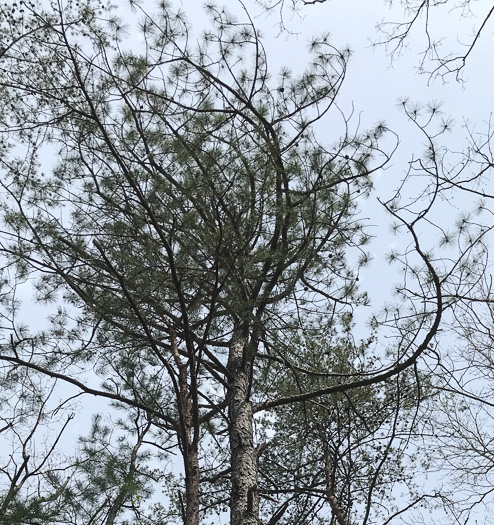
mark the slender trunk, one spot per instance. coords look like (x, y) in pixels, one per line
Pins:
(123, 494)
(244, 493)
(338, 511)
(187, 437)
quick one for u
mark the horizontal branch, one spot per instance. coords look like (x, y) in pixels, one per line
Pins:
(88, 390)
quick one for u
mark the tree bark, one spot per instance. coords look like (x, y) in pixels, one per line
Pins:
(192, 487)
(187, 437)
(244, 493)
(191, 455)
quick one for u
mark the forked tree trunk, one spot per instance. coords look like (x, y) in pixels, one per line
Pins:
(244, 492)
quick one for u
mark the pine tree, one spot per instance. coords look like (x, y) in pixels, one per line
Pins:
(195, 236)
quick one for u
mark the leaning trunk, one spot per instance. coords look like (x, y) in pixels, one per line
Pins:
(244, 493)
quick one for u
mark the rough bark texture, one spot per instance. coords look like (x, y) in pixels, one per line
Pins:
(245, 493)
(192, 487)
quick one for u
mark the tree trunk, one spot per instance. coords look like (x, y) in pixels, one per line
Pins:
(188, 436)
(338, 511)
(191, 455)
(192, 487)
(244, 493)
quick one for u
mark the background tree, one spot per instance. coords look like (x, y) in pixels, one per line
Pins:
(32, 473)
(336, 458)
(442, 53)
(460, 416)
